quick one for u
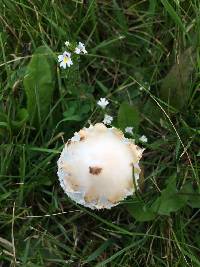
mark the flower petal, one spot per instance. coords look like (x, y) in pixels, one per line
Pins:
(63, 64)
(60, 58)
(77, 51)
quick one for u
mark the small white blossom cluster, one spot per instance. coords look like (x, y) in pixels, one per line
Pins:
(65, 59)
(103, 102)
(143, 139)
(80, 49)
(107, 119)
(129, 130)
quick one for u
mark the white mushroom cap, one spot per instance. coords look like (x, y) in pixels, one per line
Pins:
(96, 169)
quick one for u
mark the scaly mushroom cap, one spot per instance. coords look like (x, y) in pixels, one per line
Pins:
(96, 167)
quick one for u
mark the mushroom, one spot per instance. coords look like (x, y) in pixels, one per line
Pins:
(96, 167)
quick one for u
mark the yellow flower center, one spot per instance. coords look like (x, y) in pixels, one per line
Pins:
(65, 59)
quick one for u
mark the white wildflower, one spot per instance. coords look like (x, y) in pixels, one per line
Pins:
(67, 43)
(143, 139)
(76, 137)
(103, 102)
(80, 49)
(65, 59)
(107, 119)
(77, 51)
(129, 130)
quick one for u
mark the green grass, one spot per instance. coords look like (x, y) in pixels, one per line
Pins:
(150, 44)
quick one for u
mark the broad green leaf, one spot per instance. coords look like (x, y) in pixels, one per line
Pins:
(76, 110)
(69, 118)
(3, 117)
(72, 118)
(175, 89)
(39, 85)
(152, 111)
(22, 117)
(128, 116)
(140, 211)
(4, 121)
(4, 124)
(194, 197)
(171, 199)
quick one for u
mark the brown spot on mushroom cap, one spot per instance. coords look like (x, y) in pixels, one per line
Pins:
(82, 134)
(95, 170)
(68, 142)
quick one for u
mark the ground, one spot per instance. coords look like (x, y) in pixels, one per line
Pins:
(143, 56)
